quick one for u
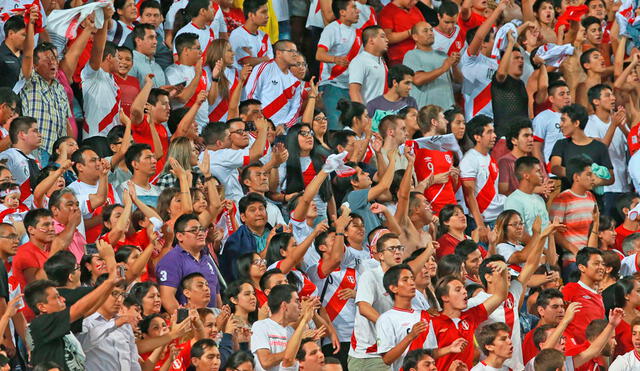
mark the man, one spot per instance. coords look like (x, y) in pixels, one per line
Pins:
(457, 320)
(188, 70)
(116, 349)
(11, 50)
(434, 70)
(150, 13)
(393, 131)
(479, 176)
(597, 331)
(519, 140)
(396, 97)
(188, 256)
(142, 164)
(208, 24)
(121, 26)
(525, 200)
(495, 342)
(624, 205)
(269, 336)
(250, 44)
(54, 318)
(573, 123)
(250, 237)
(8, 111)
(42, 96)
(196, 291)
(420, 360)
(471, 254)
(575, 207)
(25, 168)
(509, 98)
(549, 307)
(448, 38)
(478, 67)
(93, 189)
(339, 44)
(229, 149)
(550, 360)
(608, 127)
(593, 64)
(256, 180)
(205, 355)
(546, 125)
(100, 93)
(591, 267)
(396, 19)
(310, 356)
(629, 361)
(145, 45)
(433, 162)
(368, 71)
(65, 209)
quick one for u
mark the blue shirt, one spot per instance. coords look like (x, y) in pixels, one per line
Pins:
(178, 263)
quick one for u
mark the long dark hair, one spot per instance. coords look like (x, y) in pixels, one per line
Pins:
(295, 182)
(349, 110)
(280, 242)
(243, 263)
(184, 16)
(232, 291)
(621, 288)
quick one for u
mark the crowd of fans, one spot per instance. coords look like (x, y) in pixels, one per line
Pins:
(320, 185)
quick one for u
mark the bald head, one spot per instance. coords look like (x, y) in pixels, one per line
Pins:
(422, 34)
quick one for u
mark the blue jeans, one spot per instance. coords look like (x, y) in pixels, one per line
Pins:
(330, 96)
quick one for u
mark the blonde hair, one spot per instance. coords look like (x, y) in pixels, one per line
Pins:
(179, 149)
(502, 223)
(215, 52)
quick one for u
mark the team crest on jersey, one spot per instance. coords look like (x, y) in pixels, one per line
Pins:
(448, 158)
(464, 325)
(458, 44)
(351, 279)
(508, 303)
(586, 297)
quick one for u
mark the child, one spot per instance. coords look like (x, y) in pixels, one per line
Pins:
(129, 85)
(12, 211)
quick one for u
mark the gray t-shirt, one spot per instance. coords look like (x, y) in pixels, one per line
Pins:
(440, 90)
(379, 107)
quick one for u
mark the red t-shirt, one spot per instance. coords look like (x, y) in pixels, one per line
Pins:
(621, 234)
(399, 20)
(475, 20)
(129, 89)
(623, 339)
(182, 361)
(435, 162)
(633, 139)
(592, 364)
(28, 256)
(142, 134)
(592, 308)
(447, 332)
(234, 18)
(448, 245)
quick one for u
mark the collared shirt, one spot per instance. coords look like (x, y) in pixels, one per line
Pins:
(107, 346)
(48, 104)
(179, 263)
(163, 56)
(143, 65)
(77, 241)
(261, 241)
(10, 66)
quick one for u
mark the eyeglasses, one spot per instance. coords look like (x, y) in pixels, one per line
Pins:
(259, 262)
(197, 230)
(306, 133)
(77, 267)
(292, 51)
(320, 118)
(398, 248)
(515, 225)
(239, 131)
(14, 237)
(118, 294)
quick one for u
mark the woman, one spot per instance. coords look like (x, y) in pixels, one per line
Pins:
(319, 126)
(240, 361)
(185, 153)
(154, 326)
(453, 223)
(241, 298)
(251, 267)
(607, 235)
(63, 148)
(220, 61)
(457, 126)
(451, 265)
(623, 294)
(283, 254)
(175, 202)
(50, 179)
(509, 232)
(148, 294)
(303, 164)
(410, 117)
(354, 117)
(92, 266)
(135, 261)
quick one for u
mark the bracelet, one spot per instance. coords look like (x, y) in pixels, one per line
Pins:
(210, 177)
(340, 234)
(312, 97)
(215, 79)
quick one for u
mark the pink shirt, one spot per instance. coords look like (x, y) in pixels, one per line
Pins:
(76, 247)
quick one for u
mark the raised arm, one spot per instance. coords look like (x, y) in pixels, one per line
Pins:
(594, 350)
(27, 49)
(293, 344)
(405, 188)
(139, 102)
(385, 182)
(99, 40)
(505, 62)
(500, 275)
(304, 201)
(69, 63)
(484, 28)
(234, 98)
(331, 261)
(257, 149)
(191, 87)
(120, 228)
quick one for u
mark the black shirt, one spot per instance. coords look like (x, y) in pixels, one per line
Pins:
(4, 282)
(430, 14)
(71, 296)
(52, 341)
(10, 66)
(596, 151)
(509, 100)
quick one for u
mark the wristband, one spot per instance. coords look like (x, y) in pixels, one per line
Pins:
(210, 177)
(215, 79)
(340, 234)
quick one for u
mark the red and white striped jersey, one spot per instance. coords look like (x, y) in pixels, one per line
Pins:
(448, 44)
(546, 129)
(18, 164)
(205, 35)
(394, 325)
(278, 91)
(626, 362)
(507, 313)
(314, 19)
(338, 40)
(246, 44)
(178, 73)
(306, 287)
(101, 102)
(630, 265)
(484, 170)
(364, 342)
(478, 70)
(219, 110)
(367, 16)
(341, 312)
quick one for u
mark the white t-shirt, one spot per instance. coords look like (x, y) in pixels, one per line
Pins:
(481, 366)
(315, 15)
(367, 16)
(482, 168)
(268, 334)
(18, 164)
(507, 249)
(206, 35)
(629, 361)
(629, 265)
(506, 313)
(420, 302)
(173, 10)
(224, 166)
(118, 32)
(148, 196)
(258, 44)
(279, 92)
(219, 110)
(301, 230)
(177, 73)
(101, 101)
(546, 129)
(618, 150)
(369, 290)
(370, 72)
(338, 39)
(634, 170)
(478, 71)
(394, 325)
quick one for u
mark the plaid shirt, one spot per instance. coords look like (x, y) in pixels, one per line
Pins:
(48, 104)
(168, 180)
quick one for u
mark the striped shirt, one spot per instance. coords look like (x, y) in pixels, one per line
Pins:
(48, 104)
(576, 212)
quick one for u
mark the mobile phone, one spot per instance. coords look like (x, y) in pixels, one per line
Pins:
(280, 139)
(122, 272)
(250, 126)
(181, 84)
(91, 249)
(183, 313)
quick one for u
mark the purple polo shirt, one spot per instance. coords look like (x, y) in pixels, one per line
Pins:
(178, 263)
